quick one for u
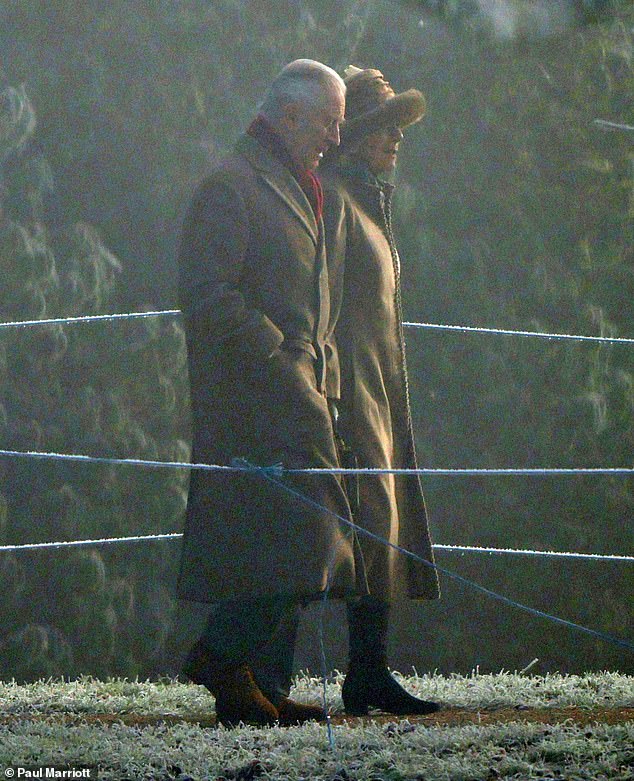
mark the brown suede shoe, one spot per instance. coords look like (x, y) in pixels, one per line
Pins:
(292, 712)
(238, 698)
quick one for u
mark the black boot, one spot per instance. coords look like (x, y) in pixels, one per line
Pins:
(368, 683)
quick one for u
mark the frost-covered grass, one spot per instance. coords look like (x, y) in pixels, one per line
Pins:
(372, 751)
(54, 723)
(169, 698)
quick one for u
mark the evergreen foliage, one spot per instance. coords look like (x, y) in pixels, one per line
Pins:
(118, 391)
(515, 209)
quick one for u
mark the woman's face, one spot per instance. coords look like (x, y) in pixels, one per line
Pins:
(380, 150)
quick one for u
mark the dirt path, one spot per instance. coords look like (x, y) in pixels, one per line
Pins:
(451, 717)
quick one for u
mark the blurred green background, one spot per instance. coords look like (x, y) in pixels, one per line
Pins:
(514, 209)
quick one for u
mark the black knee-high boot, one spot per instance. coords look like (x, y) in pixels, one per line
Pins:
(368, 683)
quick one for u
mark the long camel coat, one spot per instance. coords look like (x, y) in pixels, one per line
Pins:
(255, 294)
(375, 417)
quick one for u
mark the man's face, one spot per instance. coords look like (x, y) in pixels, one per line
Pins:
(380, 150)
(311, 128)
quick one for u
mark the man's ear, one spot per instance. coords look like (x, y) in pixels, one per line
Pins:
(291, 115)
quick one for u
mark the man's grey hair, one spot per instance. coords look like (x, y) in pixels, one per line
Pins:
(300, 81)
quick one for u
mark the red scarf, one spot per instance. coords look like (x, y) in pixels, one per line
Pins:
(261, 130)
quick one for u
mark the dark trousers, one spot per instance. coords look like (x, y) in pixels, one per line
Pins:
(260, 632)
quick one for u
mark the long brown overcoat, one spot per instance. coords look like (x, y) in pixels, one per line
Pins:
(375, 417)
(255, 294)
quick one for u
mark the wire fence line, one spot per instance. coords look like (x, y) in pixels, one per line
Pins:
(510, 332)
(436, 546)
(88, 318)
(528, 552)
(605, 124)
(279, 469)
(460, 471)
(84, 543)
(274, 473)
(432, 326)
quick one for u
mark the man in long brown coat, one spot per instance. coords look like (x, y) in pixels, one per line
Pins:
(255, 294)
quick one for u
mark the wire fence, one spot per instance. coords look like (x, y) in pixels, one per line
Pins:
(438, 546)
(279, 469)
(428, 326)
(275, 473)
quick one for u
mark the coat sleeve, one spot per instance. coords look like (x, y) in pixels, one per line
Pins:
(211, 267)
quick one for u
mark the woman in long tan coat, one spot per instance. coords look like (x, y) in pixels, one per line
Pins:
(374, 413)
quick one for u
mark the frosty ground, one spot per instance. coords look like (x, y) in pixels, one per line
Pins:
(491, 727)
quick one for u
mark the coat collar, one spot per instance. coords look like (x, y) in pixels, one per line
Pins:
(374, 193)
(280, 180)
(358, 171)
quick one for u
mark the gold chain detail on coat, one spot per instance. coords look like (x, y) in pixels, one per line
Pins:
(386, 210)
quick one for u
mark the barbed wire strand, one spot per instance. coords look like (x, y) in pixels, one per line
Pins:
(36, 454)
(527, 552)
(278, 469)
(88, 318)
(605, 124)
(457, 471)
(511, 332)
(83, 543)
(437, 326)
(436, 546)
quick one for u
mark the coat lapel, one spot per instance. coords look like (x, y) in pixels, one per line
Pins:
(281, 181)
